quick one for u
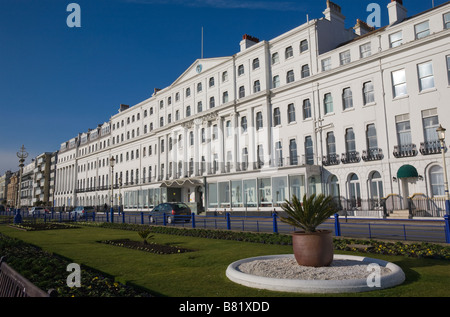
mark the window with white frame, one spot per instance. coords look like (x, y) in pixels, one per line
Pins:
(403, 128)
(396, 39)
(228, 128)
(255, 63)
(309, 150)
(345, 57)
(240, 70)
(447, 20)
(430, 122)
(347, 98)
(278, 154)
(224, 76)
(275, 58)
(350, 144)
(306, 109)
(326, 64)
(290, 76)
(225, 97)
(328, 103)
(215, 132)
(289, 52)
(276, 81)
(256, 86)
(426, 77)
(276, 117)
(371, 138)
(368, 93)
(422, 30)
(448, 68)
(303, 46)
(437, 181)
(305, 71)
(331, 144)
(365, 50)
(244, 124)
(291, 113)
(259, 120)
(293, 158)
(241, 92)
(399, 83)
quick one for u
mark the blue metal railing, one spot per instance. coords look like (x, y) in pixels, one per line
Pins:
(412, 230)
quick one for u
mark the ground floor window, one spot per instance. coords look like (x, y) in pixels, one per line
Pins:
(333, 186)
(224, 194)
(212, 195)
(354, 190)
(437, 181)
(250, 193)
(257, 192)
(145, 198)
(376, 186)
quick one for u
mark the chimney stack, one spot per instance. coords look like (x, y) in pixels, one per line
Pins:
(397, 12)
(362, 27)
(248, 41)
(333, 12)
(123, 107)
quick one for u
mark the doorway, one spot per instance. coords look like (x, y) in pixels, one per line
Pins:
(173, 194)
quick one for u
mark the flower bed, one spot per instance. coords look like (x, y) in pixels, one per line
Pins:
(148, 247)
(423, 250)
(28, 226)
(48, 271)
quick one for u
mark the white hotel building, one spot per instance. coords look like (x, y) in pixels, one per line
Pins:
(348, 112)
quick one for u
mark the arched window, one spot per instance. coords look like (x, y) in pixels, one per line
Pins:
(437, 181)
(376, 186)
(354, 190)
(333, 186)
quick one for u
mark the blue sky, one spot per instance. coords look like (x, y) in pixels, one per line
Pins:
(57, 81)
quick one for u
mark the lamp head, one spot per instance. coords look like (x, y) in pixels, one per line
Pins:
(441, 133)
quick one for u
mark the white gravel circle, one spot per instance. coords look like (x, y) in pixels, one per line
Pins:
(346, 274)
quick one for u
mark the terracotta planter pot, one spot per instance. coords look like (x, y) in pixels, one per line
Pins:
(313, 249)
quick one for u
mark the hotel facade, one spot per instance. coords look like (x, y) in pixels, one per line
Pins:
(351, 113)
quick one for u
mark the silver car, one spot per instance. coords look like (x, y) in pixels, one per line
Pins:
(82, 212)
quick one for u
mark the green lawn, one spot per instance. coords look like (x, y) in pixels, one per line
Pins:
(202, 273)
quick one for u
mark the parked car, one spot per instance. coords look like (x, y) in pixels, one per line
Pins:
(82, 212)
(35, 211)
(173, 212)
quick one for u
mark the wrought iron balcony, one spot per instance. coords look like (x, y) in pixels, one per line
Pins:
(431, 147)
(406, 150)
(332, 159)
(372, 155)
(350, 157)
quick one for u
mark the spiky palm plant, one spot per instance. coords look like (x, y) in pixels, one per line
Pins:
(311, 213)
(145, 235)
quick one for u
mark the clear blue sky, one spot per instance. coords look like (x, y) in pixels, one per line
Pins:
(57, 81)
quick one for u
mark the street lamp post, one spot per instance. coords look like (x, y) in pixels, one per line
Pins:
(120, 194)
(441, 135)
(111, 164)
(22, 155)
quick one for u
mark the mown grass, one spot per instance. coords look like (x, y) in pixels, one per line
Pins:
(202, 273)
